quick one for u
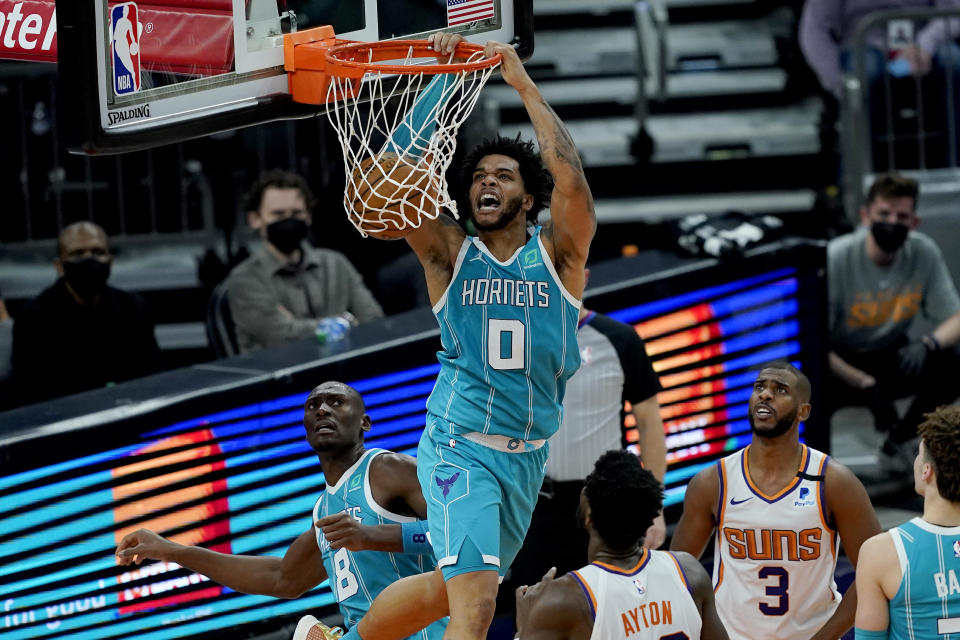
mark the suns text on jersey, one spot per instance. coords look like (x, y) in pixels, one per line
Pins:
(773, 544)
(647, 615)
(514, 293)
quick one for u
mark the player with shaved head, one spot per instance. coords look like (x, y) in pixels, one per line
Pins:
(367, 530)
(777, 510)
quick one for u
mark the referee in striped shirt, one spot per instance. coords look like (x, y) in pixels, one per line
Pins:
(614, 369)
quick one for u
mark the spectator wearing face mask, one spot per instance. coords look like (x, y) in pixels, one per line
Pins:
(288, 290)
(80, 333)
(881, 278)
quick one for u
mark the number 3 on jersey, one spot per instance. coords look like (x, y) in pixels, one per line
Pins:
(505, 344)
(346, 581)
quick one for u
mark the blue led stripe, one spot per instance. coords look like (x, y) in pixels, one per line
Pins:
(666, 305)
(400, 393)
(768, 293)
(55, 469)
(762, 357)
(398, 409)
(758, 317)
(137, 626)
(776, 333)
(392, 426)
(677, 475)
(391, 379)
(45, 492)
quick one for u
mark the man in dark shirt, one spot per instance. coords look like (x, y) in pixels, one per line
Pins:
(81, 334)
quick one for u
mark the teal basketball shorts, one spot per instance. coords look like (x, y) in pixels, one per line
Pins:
(479, 499)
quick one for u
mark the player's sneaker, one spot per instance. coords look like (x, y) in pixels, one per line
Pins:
(309, 628)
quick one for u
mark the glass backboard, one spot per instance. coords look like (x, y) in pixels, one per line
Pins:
(145, 73)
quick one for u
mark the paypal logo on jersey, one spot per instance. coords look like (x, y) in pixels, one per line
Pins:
(805, 499)
(125, 31)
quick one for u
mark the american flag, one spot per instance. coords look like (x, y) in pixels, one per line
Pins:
(462, 11)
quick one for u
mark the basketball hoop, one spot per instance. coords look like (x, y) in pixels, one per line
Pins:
(396, 108)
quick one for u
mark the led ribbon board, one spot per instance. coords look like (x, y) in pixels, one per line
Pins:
(244, 481)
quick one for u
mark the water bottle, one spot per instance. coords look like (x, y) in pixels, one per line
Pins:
(332, 329)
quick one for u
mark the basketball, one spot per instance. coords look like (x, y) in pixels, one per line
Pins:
(387, 195)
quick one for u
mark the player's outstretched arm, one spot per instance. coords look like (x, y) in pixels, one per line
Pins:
(851, 512)
(573, 221)
(553, 610)
(878, 577)
(699, 518)
(702, 590)
(300, 569)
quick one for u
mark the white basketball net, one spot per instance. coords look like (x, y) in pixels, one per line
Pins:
(373, 124)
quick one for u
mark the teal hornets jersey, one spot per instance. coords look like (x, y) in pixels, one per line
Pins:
(356, 577)
(509, 335)
(927, 604)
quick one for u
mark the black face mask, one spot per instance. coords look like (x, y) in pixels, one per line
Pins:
(890, 236)
(287, 234)
(87, 277)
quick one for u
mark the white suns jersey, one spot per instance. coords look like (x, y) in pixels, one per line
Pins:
(775, 555)
(648, 602)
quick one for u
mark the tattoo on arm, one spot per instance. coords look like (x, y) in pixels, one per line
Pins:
(560, 144)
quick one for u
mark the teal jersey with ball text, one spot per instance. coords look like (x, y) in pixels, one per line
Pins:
(356, 577)
(509, 335)
(927, 604)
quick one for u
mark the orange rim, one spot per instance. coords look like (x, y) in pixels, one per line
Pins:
(355, 59)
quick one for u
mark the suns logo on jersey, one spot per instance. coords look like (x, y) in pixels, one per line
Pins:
(773, 544)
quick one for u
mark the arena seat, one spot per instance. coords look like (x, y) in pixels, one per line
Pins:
(221, 333)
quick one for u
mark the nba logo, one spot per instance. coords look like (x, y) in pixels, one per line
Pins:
(956, 548)
(125, 45)
(641, 588)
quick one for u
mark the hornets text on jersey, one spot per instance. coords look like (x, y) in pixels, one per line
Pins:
(356, 577)
(509, 335)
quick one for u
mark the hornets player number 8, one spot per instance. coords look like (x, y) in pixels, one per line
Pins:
(346, 582)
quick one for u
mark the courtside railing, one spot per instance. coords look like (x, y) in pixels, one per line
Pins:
(893, 119)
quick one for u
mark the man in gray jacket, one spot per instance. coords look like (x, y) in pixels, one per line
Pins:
(288, 289)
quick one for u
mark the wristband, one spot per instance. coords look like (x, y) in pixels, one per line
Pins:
(866, 634)
(932, 343)
(416, 538)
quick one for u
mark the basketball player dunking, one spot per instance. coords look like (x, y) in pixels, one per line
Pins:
(507, 303)
(777, 507)
(909, 577)
(625, 591)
